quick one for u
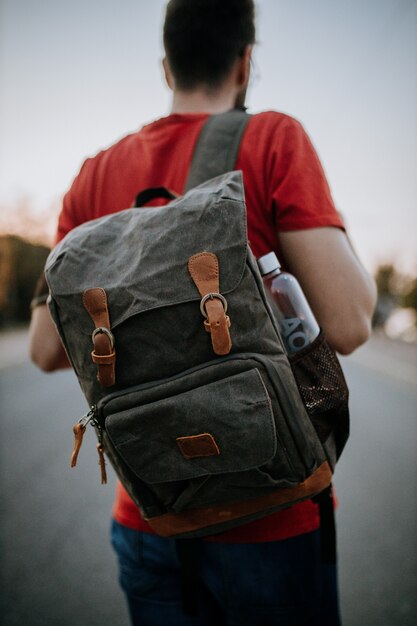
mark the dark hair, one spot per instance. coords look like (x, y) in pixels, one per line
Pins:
(203, 38)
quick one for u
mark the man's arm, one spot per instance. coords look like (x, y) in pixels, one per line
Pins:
(45, 347)
(340, 291)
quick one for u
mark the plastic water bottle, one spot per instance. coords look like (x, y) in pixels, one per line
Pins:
(295, 318)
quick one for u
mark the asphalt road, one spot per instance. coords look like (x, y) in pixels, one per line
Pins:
(57, 568)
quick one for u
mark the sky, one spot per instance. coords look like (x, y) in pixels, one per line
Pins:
(76, 76)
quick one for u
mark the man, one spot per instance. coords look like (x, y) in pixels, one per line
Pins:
(268, 571)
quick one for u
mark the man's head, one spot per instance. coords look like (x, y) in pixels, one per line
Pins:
(204, 39)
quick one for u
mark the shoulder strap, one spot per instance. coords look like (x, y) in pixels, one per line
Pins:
(217, 146)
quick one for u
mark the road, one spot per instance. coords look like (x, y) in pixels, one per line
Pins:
(57, 568)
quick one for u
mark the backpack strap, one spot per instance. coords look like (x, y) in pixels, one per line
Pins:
(217, 146)
(189, 553)
(327, 525)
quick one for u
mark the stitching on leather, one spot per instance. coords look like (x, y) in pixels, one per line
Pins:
(102, 307)
(194, 259)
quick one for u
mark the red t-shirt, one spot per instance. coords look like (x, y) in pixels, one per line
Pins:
(285, 190)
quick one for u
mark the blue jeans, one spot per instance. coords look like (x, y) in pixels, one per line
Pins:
(273, 583)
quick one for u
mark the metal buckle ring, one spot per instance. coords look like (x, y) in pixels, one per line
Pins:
(211, 296)
(106, 331)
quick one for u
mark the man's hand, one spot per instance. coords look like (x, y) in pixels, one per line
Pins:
(45, 347)
(339, 290)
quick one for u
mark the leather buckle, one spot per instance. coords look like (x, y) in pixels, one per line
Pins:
(102, 330)
(212, 296)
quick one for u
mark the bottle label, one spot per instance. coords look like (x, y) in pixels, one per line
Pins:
(292, 331)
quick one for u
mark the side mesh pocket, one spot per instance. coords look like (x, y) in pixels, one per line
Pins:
(325, 393)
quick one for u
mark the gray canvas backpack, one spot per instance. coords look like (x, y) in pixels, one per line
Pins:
(163, 314)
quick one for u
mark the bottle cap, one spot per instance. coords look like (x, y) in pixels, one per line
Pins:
(268, 263)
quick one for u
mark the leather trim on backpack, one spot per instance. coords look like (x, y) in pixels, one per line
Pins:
(103, 354)
(170, 524)
(197, 446)
(204, 270)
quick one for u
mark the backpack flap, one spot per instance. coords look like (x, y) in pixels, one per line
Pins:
(145, 264)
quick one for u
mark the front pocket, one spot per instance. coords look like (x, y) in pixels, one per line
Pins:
(226, 426)
(202, 438)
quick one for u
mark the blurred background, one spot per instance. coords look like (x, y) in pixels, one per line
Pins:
(74, 78)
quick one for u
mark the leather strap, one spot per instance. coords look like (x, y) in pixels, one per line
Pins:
(204, 270)
(78, 431)
(102, 463)
(103, 354)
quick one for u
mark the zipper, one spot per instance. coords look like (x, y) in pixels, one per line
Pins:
(282, 396)
(88, 417)
(79, 429)
(100, 407)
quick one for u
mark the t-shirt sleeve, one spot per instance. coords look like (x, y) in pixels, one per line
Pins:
(66, 220)
(301, 197)
(73, 211)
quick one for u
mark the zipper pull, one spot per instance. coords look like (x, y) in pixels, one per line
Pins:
(79, 430)
(102, 463)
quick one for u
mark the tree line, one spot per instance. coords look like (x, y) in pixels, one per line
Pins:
(395, 290)
(21, 263)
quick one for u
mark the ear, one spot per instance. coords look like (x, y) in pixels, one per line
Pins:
(168, 76)
(244, 66)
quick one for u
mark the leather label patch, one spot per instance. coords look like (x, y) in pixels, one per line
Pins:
(197, 446)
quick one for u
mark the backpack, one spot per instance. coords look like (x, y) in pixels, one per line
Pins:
(163, 314)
